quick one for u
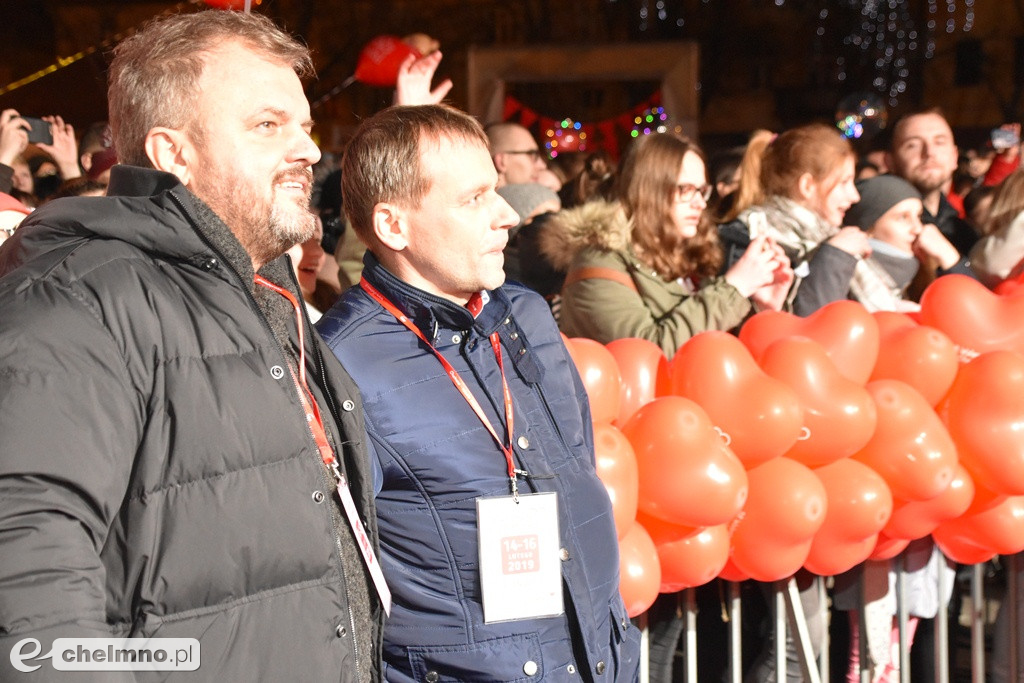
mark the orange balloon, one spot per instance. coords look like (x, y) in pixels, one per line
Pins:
(859, 505)
(639, 571)
(786, 502)
(786, 507)
(688, 557)
(887, 548)
(844, 328)
(974, 318)
(1012, 286)
(956, 548)
(600, 376)
(687, 474)
(769, 559)
(985, 415)
(644, 374)
(730, 572)
(761, 415)
(839, 415)
(381, 59)
(616, 468)
(916, 519)
(910, 448)
(999, 529)
(859, 501)
(918, 355)
(829, 556)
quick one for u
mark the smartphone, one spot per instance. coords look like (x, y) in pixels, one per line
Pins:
(1004, 139)
(39, 131)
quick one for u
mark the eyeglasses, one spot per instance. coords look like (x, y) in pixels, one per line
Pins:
(534, 154)
(686, 192)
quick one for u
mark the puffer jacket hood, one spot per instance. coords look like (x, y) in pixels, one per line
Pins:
(72, 218)
(598, 223)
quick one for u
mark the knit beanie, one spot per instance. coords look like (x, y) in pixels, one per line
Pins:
(878, 195)
(525, 197)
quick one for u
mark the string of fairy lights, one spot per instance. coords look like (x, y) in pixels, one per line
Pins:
(883, 33)
(68, 60)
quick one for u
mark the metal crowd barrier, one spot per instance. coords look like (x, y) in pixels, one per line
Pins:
(788, 616)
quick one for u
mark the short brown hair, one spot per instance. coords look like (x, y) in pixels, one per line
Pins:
(382, 161)
(901, 123)
(155, 73)
(646, 189)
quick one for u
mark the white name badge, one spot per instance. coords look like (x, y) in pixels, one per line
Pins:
(520, 570)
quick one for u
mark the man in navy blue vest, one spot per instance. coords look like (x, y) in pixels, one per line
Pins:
(497, 538)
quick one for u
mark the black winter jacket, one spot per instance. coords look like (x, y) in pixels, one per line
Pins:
(157, 477)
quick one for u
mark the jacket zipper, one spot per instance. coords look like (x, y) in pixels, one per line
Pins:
(324, 478)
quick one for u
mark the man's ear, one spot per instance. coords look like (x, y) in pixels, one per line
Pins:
(170, 150)
(890, 162)
(499, 162)
(390, 226)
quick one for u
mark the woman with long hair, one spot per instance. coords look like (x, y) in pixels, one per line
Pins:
(646, 264)
(999, 255)
(804, 187)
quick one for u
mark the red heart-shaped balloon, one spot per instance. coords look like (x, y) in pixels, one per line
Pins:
(844, 328)
(919, 355)
(916, 519)
(786, 502)
(887, 548)
(643, 371)
(984, 413)
(999, 529)
(616, 468)
(380, 60)
(910, 448)
(839, 415)
(639, 571)
(760, 415)
(974, 318)
(859, 501)
(829, 556)
(688, 557)
(600, 376)
(678, 450)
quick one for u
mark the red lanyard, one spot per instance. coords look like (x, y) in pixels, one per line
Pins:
(316, 423)
(316, 426)
(460, 384)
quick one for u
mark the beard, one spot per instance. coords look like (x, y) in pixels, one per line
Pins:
(266, 224)
(928, 180)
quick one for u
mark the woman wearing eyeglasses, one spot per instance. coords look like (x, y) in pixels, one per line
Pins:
(804, 187)
(646, 265)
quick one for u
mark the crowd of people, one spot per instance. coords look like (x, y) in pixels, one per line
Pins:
(406, 490)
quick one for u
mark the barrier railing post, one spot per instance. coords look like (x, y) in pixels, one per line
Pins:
(735, 633)
(1013, 598)
(824, 661)
(863, 652)
(801, 637)
(901, 612)
(978, 622)
(645, 642)
(941, 634)
(691, 635)
(780, 629)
